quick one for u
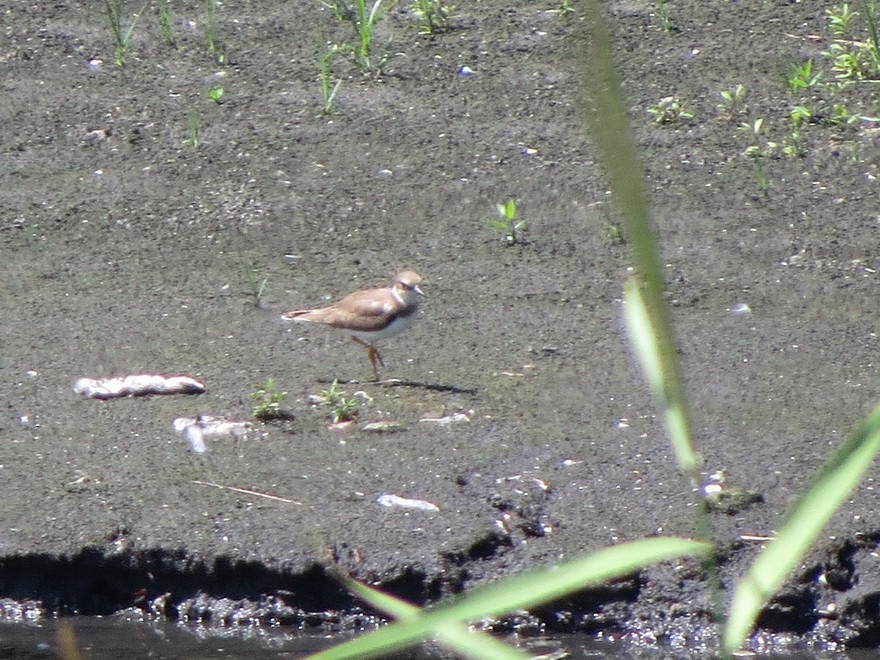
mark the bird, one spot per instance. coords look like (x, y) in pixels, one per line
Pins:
(370, 314)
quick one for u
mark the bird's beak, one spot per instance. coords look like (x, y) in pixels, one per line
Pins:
(418, 291)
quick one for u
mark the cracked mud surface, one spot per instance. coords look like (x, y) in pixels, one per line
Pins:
(125, 250)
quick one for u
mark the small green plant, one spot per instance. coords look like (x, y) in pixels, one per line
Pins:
(342, 11)
(194, 127)
(853, 60)
(121, 37)
(363, 20)
(613, 231)
(800, 115)
(257, 283)
(850, 62)
(670, 109)
(507, 223)
(164, 9)
(433, 16)
(211, 40)
(757, 129)
(733, 103)
(800, 78)
(328, 91)
(793, 147)
(753, 127)
(663, 15)
(870, 8)
(839, 19)
(216, 94)
(564, 8)
(761, 176)
(342, 407)
(841, 116)
(759, 153)
(267, 401)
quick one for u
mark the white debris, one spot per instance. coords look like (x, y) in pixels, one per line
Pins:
(139, 385)
(454, 418)
(195, 430)
(712, 489)
(405, 503)
(195, 438)
(383, 426)
(740, 309)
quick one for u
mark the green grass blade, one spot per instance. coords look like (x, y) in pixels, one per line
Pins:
(645, 338)
(871, 18)
(374, 13)
(114, 19)
(362, 23)
(829, 489)
(610, 131)
(642, 336)
(457, 636)
(525, 590)
(647, 314)
(134, 21)
(334, 92)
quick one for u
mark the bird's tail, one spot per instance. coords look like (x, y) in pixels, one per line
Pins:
(297, 315)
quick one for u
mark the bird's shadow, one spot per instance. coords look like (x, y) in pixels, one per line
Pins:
(433, 387)
(396, 382)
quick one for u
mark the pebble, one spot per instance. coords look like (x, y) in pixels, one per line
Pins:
(406, 503)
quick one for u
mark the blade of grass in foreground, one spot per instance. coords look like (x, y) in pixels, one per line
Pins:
(455, 635)
(826, 494)
(647, 314)
(610, 131)
(525, 590)
(646, 342)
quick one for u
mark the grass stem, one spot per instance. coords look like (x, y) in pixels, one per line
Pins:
(121, 37)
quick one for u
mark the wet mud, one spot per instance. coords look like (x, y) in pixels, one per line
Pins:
(126, 249)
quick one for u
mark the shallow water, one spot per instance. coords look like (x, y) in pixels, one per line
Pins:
(109, 637)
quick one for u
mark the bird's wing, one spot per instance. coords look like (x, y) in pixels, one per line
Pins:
(362, 310)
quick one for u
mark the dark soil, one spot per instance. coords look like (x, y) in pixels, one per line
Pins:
(127, 250)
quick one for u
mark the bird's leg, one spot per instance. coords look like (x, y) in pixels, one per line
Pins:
(373, 355)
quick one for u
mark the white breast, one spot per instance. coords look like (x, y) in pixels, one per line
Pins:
(399, 324)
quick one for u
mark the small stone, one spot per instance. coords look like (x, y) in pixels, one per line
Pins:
(405, 503)
(383, 426)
